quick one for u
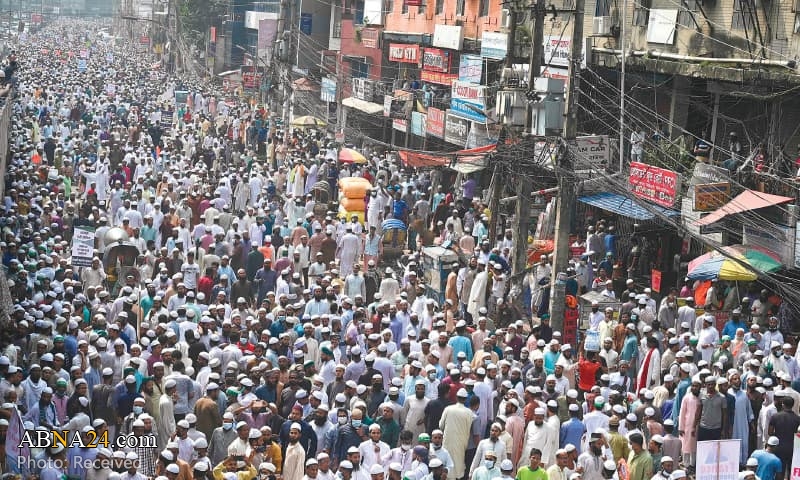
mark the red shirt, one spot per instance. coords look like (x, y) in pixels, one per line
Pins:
(205, 285)
(588, 373)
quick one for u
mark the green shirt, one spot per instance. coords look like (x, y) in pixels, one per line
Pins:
(525, 473)
(640, 465)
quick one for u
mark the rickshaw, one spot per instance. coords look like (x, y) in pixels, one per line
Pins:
(321, 193)
(394, 237)
(119, 259)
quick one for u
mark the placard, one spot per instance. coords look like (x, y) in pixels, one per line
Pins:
(82, 250)
(661, 28)
(592, 341)
(470, 68)
(655, 280)
(654, 184)
(795, 472)
(82, 64)
(718, 460)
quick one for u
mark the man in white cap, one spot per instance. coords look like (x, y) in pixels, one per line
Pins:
(539, 434)
(769, 465)
(165, 420)
(295, 456)
(456, 423)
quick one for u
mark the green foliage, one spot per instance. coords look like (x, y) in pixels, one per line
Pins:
(197, 16)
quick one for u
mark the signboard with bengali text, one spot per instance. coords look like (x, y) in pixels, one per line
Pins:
(654, 184)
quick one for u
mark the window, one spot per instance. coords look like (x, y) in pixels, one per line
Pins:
(336, 31)
(358, 14)
(742, 15)
(602, 8)
(686, 15)
(439, 7)
(484, 8)
(405, 7)
(460, 4)
(389, 8)
(641, 12)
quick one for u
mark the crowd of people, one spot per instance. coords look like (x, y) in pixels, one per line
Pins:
(257, 338)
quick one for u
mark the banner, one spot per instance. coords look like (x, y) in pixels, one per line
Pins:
(82, 64)
(403, 53)
(470, 68)
(718, 460)
(82, 247)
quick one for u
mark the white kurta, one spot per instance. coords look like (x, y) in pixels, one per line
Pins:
(349, 251)
(294, 462)
(542, 437)
(456, 423)
(477, 295)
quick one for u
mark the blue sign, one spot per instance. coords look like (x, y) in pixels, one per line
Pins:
(462, 109)
(328, 90)
(82, 64)
(305, 23)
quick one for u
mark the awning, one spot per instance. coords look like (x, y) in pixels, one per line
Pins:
(622, 205)
(362, 105)
(229, 72)
(464, 161)
(744, 202)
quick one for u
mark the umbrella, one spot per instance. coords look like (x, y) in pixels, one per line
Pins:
(348, 155)
(716, 265)
(308, 121)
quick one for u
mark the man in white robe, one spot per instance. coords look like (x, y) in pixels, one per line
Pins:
(294, 459)
(539, 434)
(456, 423)
(477, 295)
(241, 195)
(348, 252)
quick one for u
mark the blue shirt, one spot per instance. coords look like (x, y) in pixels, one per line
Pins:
(571, 432)
(768, 464)
(461, 344)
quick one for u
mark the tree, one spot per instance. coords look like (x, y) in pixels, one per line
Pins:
(198, 16)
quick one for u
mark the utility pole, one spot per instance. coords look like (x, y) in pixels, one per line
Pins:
(566, 185)
(522, 213)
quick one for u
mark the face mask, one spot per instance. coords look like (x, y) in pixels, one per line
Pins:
(341, 420)
(406, 446)
(778, 353)
(227, 426)
(489, 464)
(432, 376)
(138, 410)
(356, 423)
(772, 329)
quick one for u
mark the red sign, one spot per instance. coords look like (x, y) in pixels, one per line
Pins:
(212, 35)
(251, 77)
(436, 60)
(36, 18)
(401, 52)
(144, 40)
(437, 77)
(369, 37)
(657, 185)
(435, 123)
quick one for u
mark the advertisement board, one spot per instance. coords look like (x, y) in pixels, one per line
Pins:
(710, 196)
(718, 460)
(470, 68)
(448, 36)
(437, 77)
(494, 45)
(404, 53)
(418, 121)
(467, 100)
(435, 123)
(456, 130)
(436, 60)
(369, 37)
(82, 250)
(594, 150)
(654, 184)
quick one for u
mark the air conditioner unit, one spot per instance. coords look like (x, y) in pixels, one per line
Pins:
(505, 18)
(601, 26)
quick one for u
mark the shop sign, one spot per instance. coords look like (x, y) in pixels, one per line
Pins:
(594, 149)
(557, 50)
(710, 196)
(144, 40)
(328, 91)
(470, 68)
(369, 38)
(456, 130)
(654, 184)
(418, 121)
(448, 36)
(437, 77)
(404, 53)
(494, 45)
(436, 60)
(435, 123)
(400, 125)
